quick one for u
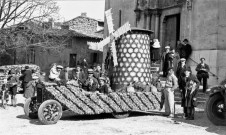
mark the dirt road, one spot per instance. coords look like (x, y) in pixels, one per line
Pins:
(14, 122)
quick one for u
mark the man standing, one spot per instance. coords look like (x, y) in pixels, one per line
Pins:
(165, 61)
(180, 70)
(202, 73)
(26, 77)
(186, 50)
(170, 86)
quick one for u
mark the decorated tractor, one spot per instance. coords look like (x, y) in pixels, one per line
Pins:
(216, 105)
(53, 99)
(131, 58)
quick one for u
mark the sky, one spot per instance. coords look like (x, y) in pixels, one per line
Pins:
(70, 9)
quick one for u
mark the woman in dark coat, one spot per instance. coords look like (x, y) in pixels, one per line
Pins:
(190, 88)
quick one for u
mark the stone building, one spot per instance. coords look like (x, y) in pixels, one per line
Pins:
(202, 22)
(74, 34)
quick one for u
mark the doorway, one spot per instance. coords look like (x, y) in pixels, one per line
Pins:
(172, 31)
(73, 60)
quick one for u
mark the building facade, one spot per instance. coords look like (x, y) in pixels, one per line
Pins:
(64, 43)
(202, 22)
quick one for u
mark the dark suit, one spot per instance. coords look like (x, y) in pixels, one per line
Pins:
(25, 78)
(180, 74)
(185, 51)
(203, 74)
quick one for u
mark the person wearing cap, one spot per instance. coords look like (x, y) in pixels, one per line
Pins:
(31, 87)
(25, 77)
(180, 69)
(91, 83)
(165, 61)
(55, 72)
(170, 86)
(202, 73)
(189, 92)
(13, 81)
(103, 86)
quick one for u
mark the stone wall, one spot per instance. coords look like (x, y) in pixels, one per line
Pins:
(203, 23)
(79, 47)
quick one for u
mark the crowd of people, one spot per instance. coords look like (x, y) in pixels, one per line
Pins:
(175, 68)
(179, 75)
(89, 79)
(27, 81)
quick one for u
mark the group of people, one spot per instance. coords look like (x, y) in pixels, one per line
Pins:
(89, 79)
(183, 79)
(10, 86)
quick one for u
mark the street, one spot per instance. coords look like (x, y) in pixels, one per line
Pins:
(14, 122)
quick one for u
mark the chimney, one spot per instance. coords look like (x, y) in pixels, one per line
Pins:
(84, 14)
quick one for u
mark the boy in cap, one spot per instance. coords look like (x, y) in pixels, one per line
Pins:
(190, 86)
(103, 86)
(202, 73)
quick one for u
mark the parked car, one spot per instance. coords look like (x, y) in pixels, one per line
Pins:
(216, 105)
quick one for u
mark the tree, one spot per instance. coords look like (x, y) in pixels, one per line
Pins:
(17, 11)
(23, 26)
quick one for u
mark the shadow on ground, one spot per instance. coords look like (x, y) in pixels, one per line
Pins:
(201, 120)
(32, 121)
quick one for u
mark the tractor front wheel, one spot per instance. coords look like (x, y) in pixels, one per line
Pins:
(50, 112)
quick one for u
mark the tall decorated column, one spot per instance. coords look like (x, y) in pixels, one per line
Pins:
(133, 55)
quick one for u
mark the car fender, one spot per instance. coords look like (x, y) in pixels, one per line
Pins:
(216, 89)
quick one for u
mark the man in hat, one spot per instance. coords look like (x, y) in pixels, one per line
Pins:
(165, 61)
(25, 77)
(186, 49)
(91, 84)
(180, 69)
(190, 85)
(170, 86)
(202, 73)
